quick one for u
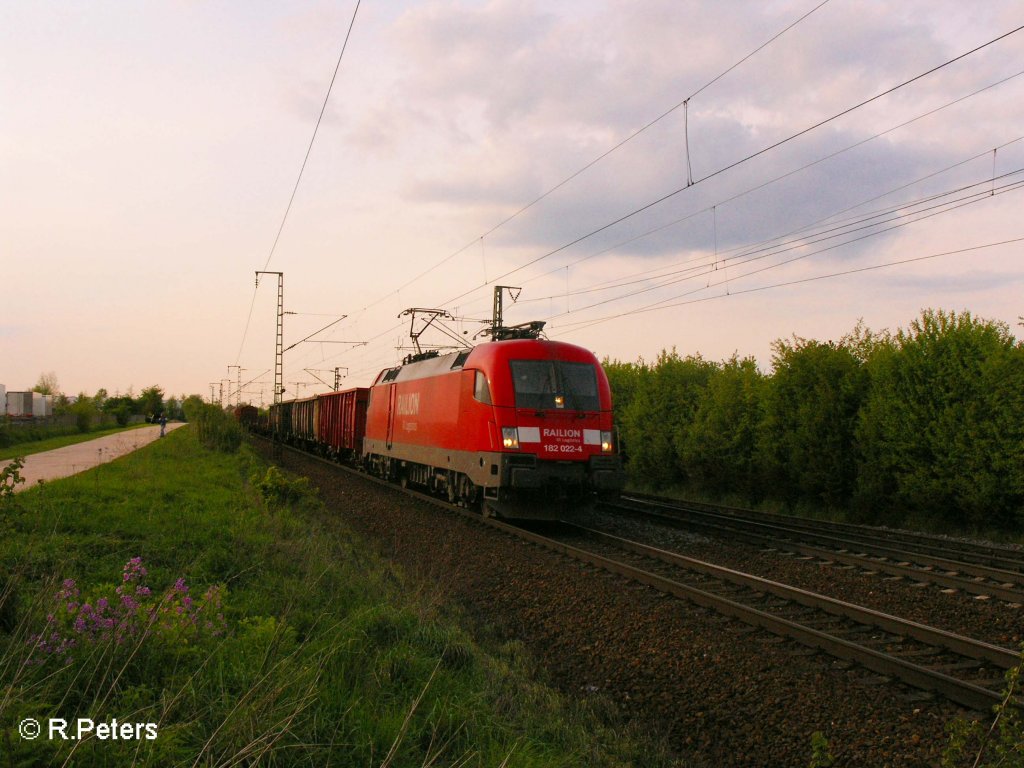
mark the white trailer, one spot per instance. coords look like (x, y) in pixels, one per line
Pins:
(19, 404)
(42, 405)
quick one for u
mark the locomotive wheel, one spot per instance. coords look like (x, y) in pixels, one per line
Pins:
(467, 492)
(452, 488)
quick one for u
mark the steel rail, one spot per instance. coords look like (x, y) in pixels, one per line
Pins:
(788, 532)
(941, 578)
(960, 691)
(995, 555)
(959, 644)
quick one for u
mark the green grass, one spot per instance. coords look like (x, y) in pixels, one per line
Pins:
(49, 443)
(329, 656)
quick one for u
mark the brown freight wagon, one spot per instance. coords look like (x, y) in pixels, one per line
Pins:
(303, 426)
(341, 423)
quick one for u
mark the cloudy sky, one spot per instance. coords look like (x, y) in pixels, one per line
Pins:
(148, 153)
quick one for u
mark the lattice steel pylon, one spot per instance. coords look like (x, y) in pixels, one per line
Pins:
(279, 341)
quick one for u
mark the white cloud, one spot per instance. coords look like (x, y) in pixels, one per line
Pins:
(158, 145)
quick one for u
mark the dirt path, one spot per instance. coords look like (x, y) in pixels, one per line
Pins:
(72, 459)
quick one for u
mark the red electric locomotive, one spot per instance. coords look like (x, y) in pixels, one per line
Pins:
(522, 425)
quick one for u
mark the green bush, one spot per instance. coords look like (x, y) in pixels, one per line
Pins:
(656, 421)
(941, 433)
(215, 427)
(1001, 744)
(10, 477)
(924, 425)
(276, 488)
(811, 406)
(720, 451)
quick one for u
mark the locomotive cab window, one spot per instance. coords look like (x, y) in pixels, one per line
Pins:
(481, 391)
(555, 384)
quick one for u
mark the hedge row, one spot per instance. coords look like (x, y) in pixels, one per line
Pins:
(926, 424)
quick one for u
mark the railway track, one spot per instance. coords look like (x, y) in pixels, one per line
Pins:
(966, 671)
(982, 571)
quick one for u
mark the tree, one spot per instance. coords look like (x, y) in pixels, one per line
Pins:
(84, 410)
(121, 408)
(192, 407)
(720, 449)
(941, 433)
(656, 420)
(623, 379)
(811, 409)
(151, 401)
(172, 408)
(47, 384)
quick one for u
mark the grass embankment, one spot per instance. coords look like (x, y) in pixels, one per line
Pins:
(198, 591)
(29, 447)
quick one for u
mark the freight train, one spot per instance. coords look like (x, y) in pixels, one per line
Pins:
(518, 428)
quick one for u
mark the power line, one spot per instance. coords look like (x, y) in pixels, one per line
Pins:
(305, 159)
(805, 167)
(715, 173)
(945, 208)
(902, 220)
(752, 249)
(777, 245)
(739, 162)
(855, 270)
(663, 304)
(596, 160)
(316, 128)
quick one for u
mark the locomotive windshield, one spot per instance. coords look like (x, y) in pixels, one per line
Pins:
(549, 384)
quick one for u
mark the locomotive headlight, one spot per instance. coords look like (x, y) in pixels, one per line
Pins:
(510, 437)
(606, 442)
(559, 401)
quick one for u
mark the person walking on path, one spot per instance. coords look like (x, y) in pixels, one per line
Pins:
(163, 423)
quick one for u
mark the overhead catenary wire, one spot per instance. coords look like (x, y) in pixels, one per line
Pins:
(805, 167)
(903, 221)
(302, 168)
(722, 170)
(588, 324)
(623, 142)
(741, 161)
(312, 139)
(665, 303)
(780, 244)
(373, 367)
(480, 238)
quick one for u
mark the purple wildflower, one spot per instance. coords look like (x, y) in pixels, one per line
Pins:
(134, 613)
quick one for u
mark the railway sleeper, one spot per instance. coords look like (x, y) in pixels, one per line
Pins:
(956, 666)
(881, 642)
(849, 632)
(917, 653)
(824, 624)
